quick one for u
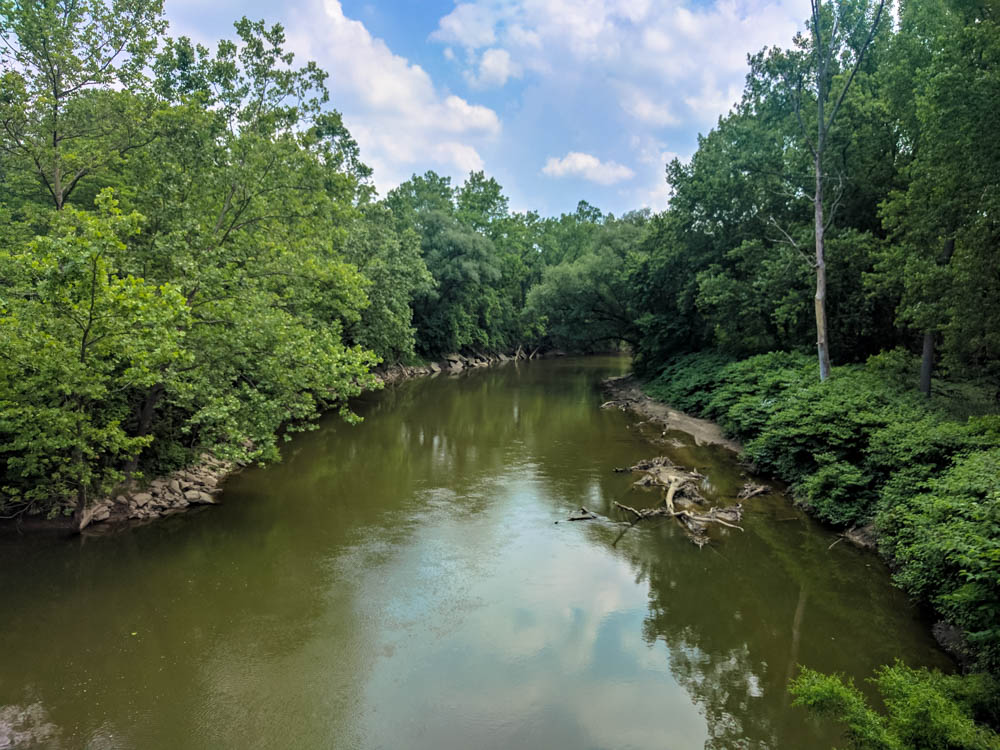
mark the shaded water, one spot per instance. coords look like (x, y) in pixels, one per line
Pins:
(404, 584)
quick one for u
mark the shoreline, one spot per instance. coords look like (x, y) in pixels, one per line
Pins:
(626, 393)
(138, 502)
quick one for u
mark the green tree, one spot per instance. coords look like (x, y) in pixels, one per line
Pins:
(941, 254)
(395, 273)
(77, 333)
(67, 69)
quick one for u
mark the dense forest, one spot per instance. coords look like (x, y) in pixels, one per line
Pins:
(193, 257)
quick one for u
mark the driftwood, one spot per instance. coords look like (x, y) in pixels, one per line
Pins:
(679, 487)
(623, 404)
(695, 524)
(752, 490)
(662, 472)
(583, 515)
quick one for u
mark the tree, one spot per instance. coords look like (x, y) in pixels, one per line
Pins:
(67, 68)
(841, 35)
(77, 334)
(943, 235)
(395, 273)
(587, 304)
(481, 202)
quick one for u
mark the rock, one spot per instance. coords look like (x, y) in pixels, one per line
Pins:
(863, 537)
(175, 486)
(158, 484)
(210, 481)
(196, 497)
(455, 358)
(121, 500)
(101, 513)
(435, 367)
(141, 499)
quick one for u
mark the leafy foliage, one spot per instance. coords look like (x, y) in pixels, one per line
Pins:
(924, 709)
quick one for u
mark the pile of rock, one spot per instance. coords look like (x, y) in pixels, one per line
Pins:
(452, 363)
(195, 485)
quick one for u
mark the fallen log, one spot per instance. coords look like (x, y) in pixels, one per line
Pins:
(752, 490)
(583, 515)
(620, 405)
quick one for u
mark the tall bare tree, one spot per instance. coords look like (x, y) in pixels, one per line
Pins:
(829, 51)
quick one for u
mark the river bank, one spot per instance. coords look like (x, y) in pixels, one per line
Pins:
(199, 484)
(864, 451)
(626, 393)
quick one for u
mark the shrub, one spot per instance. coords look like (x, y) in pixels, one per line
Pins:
(924, 709)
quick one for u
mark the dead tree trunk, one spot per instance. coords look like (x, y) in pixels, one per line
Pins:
(826, 52)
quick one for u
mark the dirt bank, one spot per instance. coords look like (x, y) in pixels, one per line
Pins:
(625, 393)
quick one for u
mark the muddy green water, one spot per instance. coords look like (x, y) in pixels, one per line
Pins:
(404, 584)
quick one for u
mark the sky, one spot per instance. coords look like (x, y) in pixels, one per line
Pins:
(559, 100)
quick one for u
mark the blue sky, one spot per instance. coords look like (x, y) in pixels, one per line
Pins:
(559, 100)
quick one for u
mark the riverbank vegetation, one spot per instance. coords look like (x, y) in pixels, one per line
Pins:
(193, 257)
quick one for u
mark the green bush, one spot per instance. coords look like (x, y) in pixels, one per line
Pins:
(924, 710)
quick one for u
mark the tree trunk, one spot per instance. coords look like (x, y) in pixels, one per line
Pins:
(145, 421)
(927, 358)
(927, 363)
(822, 343)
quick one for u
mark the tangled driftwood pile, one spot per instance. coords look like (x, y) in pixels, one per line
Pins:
(680, 500)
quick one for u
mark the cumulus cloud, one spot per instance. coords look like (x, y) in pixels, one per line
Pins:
(653, 53)
(587, 166)
(401, 120)
(495, 69)
(645, 108)
(470, 24)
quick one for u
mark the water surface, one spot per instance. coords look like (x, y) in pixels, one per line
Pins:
(404, 584)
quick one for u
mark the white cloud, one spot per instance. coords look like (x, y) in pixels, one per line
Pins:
(643, 107)
(661, 49)
(402, 122)
(470, 24)
(712, 100)
(495, 69)
(577, 164)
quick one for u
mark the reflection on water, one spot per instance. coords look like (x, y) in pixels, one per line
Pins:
(404, 583)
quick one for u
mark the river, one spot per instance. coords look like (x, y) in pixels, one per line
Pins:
(404, 583)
